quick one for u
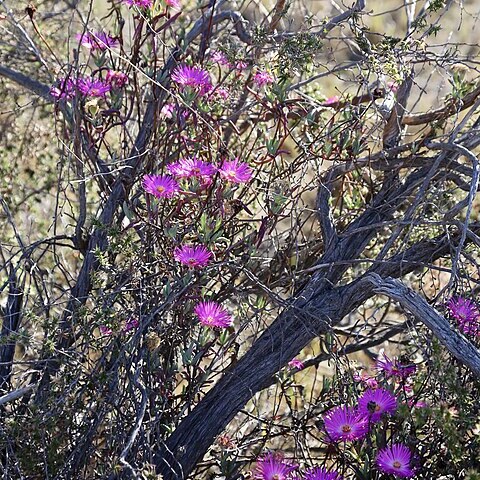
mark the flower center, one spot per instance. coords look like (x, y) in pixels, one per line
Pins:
(209, 320)
(346, 428)
(377, 407)
(397, 464)
(160, 189)
(192, 261)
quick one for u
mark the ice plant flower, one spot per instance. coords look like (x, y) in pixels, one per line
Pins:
(295, 363)
(130, 325)
(318, 473)
(345, 424)
(394, 368)
(97, 41)
(139, 3)
(167, 110)
(373, 404)
(160, 186)
(395, 460)
(192, 167)
(235, 171)
(466, 313)
(331, 100)
(273, 467)
(192, 77)
(104, 330)
(212, 314)
(93, 88)
(216, 56)
(65, 89)
(173, 4)
(116, 79)
(192, 256)
(262, 77)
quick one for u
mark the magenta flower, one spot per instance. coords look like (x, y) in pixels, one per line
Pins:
(219, 57)
(466, 313)
(241, 65)
(318, 473)
(160, 186)
(295, 363)
(273, 467)
(235, 171)
(192, 167)
(130, 325)
(394, 368)
(167, 110)
(373, 404)
(93, 88)
(262, 77)
(212, 314)
(192, 77)
(116, 79)
(174, 4)
(331, 100)
(65, 89)
(220, 93)
(97, 41)
(193, 256)
(104, 330)
(345, 424)
(395, 460)
(139, 3)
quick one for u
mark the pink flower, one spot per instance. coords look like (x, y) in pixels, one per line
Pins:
(104, 330)
(174, 4)
(345, 424)
(221, 92)
(167, 110)
(241, 65)
(192, 167)
(139, 3)
(93, 88)
(466, 313)
(97, 41)
(160, 186)
(373, 404)
(116, 79)
(130, 325)
(193, 77)
(394, 368)
(318, 473)
(295, 363)
(235, 172)
(193, 256)
(212, 314)
(219, 57)
(262, 77)
(65, 89)
(331, 100)
(395, 460)
(273, 467)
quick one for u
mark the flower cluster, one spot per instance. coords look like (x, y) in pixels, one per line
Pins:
(66, 89)
(97, 41)
(467, 315)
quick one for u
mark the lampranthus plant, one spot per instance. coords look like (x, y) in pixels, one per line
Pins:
(374, 404)
(97, 41)
(345, 424)
(235, 171)
(91, 87)
(396, 460)
(212, 314)
(139, 3)
(466, 313)
(318, 473)
(160, 186)
(192, 167)
(273, 467)
(193, 256)
(195, 78)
